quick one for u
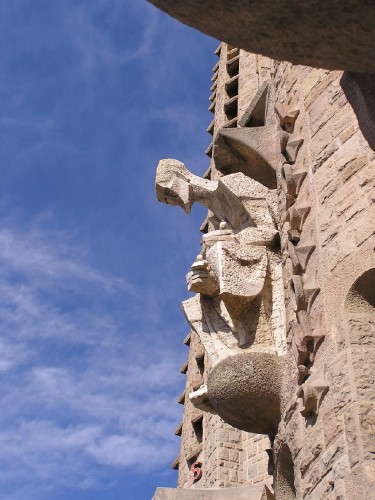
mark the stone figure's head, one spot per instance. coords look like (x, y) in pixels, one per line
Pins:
(173, 184)
(200, 280)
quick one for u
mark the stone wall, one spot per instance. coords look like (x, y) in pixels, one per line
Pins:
(229, 457)
(297, 122)
(329, 455)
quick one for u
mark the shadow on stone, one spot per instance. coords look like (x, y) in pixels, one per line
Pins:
(359, 90)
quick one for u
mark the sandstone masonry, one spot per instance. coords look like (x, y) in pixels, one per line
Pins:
(280, 374)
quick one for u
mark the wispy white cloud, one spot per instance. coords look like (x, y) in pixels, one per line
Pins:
(34, 254)
(77, 395)
(88, 357)
(94, 42)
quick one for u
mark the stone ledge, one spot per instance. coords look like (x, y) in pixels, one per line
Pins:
(331, 35)
(255, 492)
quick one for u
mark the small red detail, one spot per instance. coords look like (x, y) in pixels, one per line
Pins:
(196, 469)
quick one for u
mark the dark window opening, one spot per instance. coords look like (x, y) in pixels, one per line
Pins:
(198, 428)
(200, 364)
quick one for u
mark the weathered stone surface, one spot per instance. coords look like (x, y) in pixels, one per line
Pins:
(235, 269)
(256, 492)
(285, 275)
(246, 391)
(313, 391)
(250, 151)
(232, 198)
(325, 34)
(284, 487)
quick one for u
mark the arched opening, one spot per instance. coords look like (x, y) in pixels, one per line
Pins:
(360, 320)
(284, 481)
(361, 296)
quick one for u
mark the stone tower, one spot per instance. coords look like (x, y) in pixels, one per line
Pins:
(280, 377)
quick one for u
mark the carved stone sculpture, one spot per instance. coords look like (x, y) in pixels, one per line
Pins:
(246, 391)
(290, 139)
(235, 199)
(306, 339)
(234, 265)
(296, 218)
(313, 391)
(237, 279)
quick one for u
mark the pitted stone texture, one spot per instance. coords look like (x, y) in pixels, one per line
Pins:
(235, 268)
(236, 199)
(325, 34)
(284, 487)
(240, 271)
(246, 391)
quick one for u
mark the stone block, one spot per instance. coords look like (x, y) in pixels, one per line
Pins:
(345, 197)
(353, 166)
(366, 412)
(322, 137)
(333, 452)
(223, 454)
(234, 456)
(252, 471)
(333, 425)
(340, 470)
(323, 489)
(342, 119)
(362, 329)
(313, 447)
(317, 475)
(324, 155)
(352, 433)
(364, 229)
(363, 359)
(329, 190)
(348, 133)
(319, 112)
(251, 451)
(340, 382)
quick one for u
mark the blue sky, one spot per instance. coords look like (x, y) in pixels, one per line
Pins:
(92, 268)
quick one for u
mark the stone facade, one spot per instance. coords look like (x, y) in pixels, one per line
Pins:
(229, 457)
(280, 374)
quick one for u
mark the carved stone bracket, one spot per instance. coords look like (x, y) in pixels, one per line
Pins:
(303, 373)
(313, 391)
(306, 340)
(296, 217)
(293, 179)
(303, 253)
(311, 290)
(299, 294)
(290, 140)
(305, 292)
(300, 256)
(288, 114)
(297, 268)
(248, 150)
(255, 114)
(292, 148)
